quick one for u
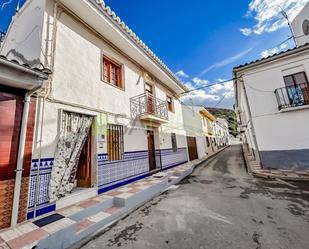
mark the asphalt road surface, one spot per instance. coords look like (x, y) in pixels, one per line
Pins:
(218, 206)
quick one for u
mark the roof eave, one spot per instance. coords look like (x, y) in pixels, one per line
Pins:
(270, 58)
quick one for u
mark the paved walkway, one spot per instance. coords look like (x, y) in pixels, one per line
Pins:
(71, 224)
(218, 206)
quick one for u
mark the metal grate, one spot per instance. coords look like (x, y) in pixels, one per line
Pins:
(115, 142)
(148, 104)
(292, 96)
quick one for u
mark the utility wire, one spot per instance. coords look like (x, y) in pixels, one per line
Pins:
(210, 85)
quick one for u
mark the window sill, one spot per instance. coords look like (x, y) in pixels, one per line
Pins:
(117, 87)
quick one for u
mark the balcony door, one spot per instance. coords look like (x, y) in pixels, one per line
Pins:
(297, 88)
(150, 98)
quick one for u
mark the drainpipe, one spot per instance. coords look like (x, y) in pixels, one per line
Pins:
(20, 156)
(37, 182)
(258, 157)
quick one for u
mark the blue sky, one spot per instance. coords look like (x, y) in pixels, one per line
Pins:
(202, 40)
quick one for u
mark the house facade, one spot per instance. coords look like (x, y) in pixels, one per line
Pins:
(110, 113)
(272, 100)
(200, 127)
(222, 132)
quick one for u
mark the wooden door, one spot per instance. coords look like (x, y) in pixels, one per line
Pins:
(151, 151)
(84, 171)
(192, 148)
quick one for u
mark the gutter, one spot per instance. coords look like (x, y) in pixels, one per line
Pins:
(34, 72)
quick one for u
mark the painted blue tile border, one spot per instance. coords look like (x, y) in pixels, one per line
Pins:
(41, 211)
(117, 185)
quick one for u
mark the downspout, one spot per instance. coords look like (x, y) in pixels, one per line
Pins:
(42, 101)
(251, 121)
(37, 182)
(20, 156)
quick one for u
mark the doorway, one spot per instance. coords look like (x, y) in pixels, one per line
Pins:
(151, 150)
(84, 168)
(150, 98)
(192, 148)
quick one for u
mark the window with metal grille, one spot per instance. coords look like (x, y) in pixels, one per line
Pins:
(115, 142)
(174, 142)
(112, 73)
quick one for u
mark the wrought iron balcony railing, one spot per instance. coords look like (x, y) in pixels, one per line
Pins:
(148, 104)
(292, 96)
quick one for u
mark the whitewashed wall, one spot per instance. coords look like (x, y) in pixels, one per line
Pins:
(277, 130)
(24, 36)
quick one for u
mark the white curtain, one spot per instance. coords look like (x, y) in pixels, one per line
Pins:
(73, 134)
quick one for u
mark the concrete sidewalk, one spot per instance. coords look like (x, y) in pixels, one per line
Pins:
(72, 224)
(256, 170)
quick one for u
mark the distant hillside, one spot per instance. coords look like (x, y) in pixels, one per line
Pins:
(229, 115)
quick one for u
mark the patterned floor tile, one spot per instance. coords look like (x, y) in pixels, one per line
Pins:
(114, 193)
(112, 210)
(58, 225)
(70, 211)
(103, 198)
(11, 234)
(82, 225)
(88, 203)
(134, 190)
(28, 239)
(98, 217)
(125, 195)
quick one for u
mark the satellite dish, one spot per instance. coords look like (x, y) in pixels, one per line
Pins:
(306, 27)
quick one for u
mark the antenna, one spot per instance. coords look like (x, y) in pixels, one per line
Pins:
(285, 15)
(17, 6)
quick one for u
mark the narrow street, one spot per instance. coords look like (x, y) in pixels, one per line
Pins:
(218, 206)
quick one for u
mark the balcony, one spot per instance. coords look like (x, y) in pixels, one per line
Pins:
(292, 96)
(149, 108)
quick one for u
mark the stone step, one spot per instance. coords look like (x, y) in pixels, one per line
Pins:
(87, 208)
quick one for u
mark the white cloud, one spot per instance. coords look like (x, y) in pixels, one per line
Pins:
(199, 81)
(246, 31)
(221, 80)
(272, 51)
(189, 85)
(226, 61)
(199, 98)
(226, 89)
(267, 14)
(181, 74)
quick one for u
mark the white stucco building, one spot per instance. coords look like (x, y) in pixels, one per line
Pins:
(272, 105)
(200, 127)
(109, 114)
(222, 132)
